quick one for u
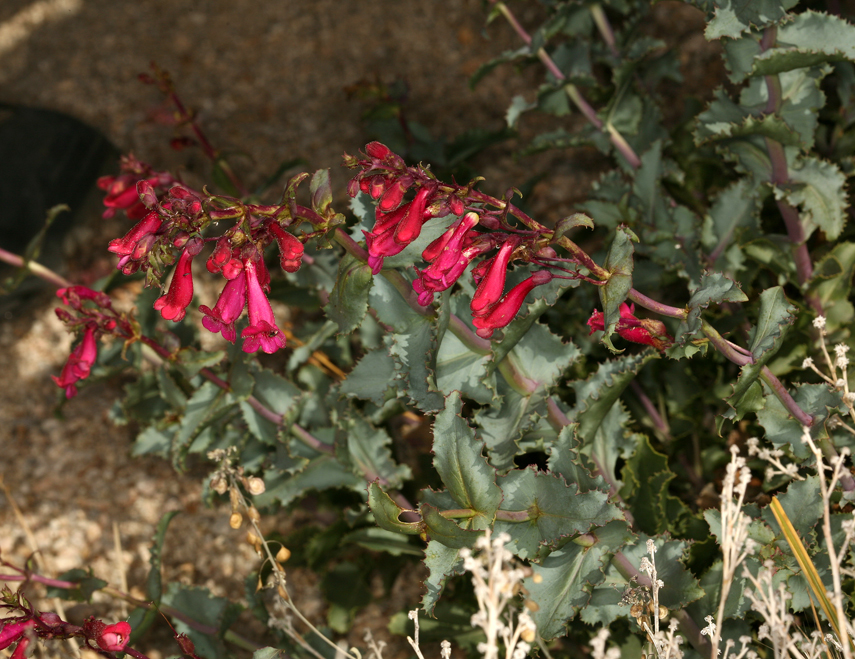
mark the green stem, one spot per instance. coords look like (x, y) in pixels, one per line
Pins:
(571, 90)
(37, 269)
(604, 27)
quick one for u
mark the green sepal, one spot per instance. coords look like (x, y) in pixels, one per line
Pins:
(321, 191)
(613, 293)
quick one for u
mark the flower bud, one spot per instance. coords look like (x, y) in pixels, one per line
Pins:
(377, 150)
(148, 196)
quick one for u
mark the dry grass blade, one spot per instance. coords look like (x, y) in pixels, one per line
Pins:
(808, 569)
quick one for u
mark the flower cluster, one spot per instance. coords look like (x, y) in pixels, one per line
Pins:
(638, 330)
(176, 218)
(122, 189)
(478, 231)
(22, 629)
(95, 317)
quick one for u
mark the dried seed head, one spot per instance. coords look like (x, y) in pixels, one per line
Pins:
(282, 592)
(537, 578)
(253, 540)
(253, 514)
(527, 635)
(283, 554)
(219, 483)
(255, 486)
(235, 520)
(532, 606)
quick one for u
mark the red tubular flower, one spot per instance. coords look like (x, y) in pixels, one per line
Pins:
(393, 195)
(173, 305)
(74, 296)
(114, 637)
(148, 226)
(493, 284)
(411, 225)
(220, 256)
(377, 150)
(20, 652)
(290, 249)
(13, 631)
(262, 332)
(451, 254)
(228, 309)
(638, 330)
(502, 313)
(79, 362)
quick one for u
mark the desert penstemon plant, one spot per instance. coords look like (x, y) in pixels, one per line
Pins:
(726, 237)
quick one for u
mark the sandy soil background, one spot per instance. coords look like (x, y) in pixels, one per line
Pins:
(268, 80)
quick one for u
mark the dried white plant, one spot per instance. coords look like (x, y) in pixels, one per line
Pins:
(498, 582)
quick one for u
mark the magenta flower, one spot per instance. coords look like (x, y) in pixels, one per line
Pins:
(394, 230)
(502, 312)
(20, 651)
(379, 247)
(173, 305)
(493, 284)
(638, 330)
(411, 225)
(114, 637)
(393, 195)
(13, 631)
(74, 296)
(290, 249)
(262, 332)
(377, 150)
(228, 309)
(451, 262)
(148, 226)
(79, 362)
